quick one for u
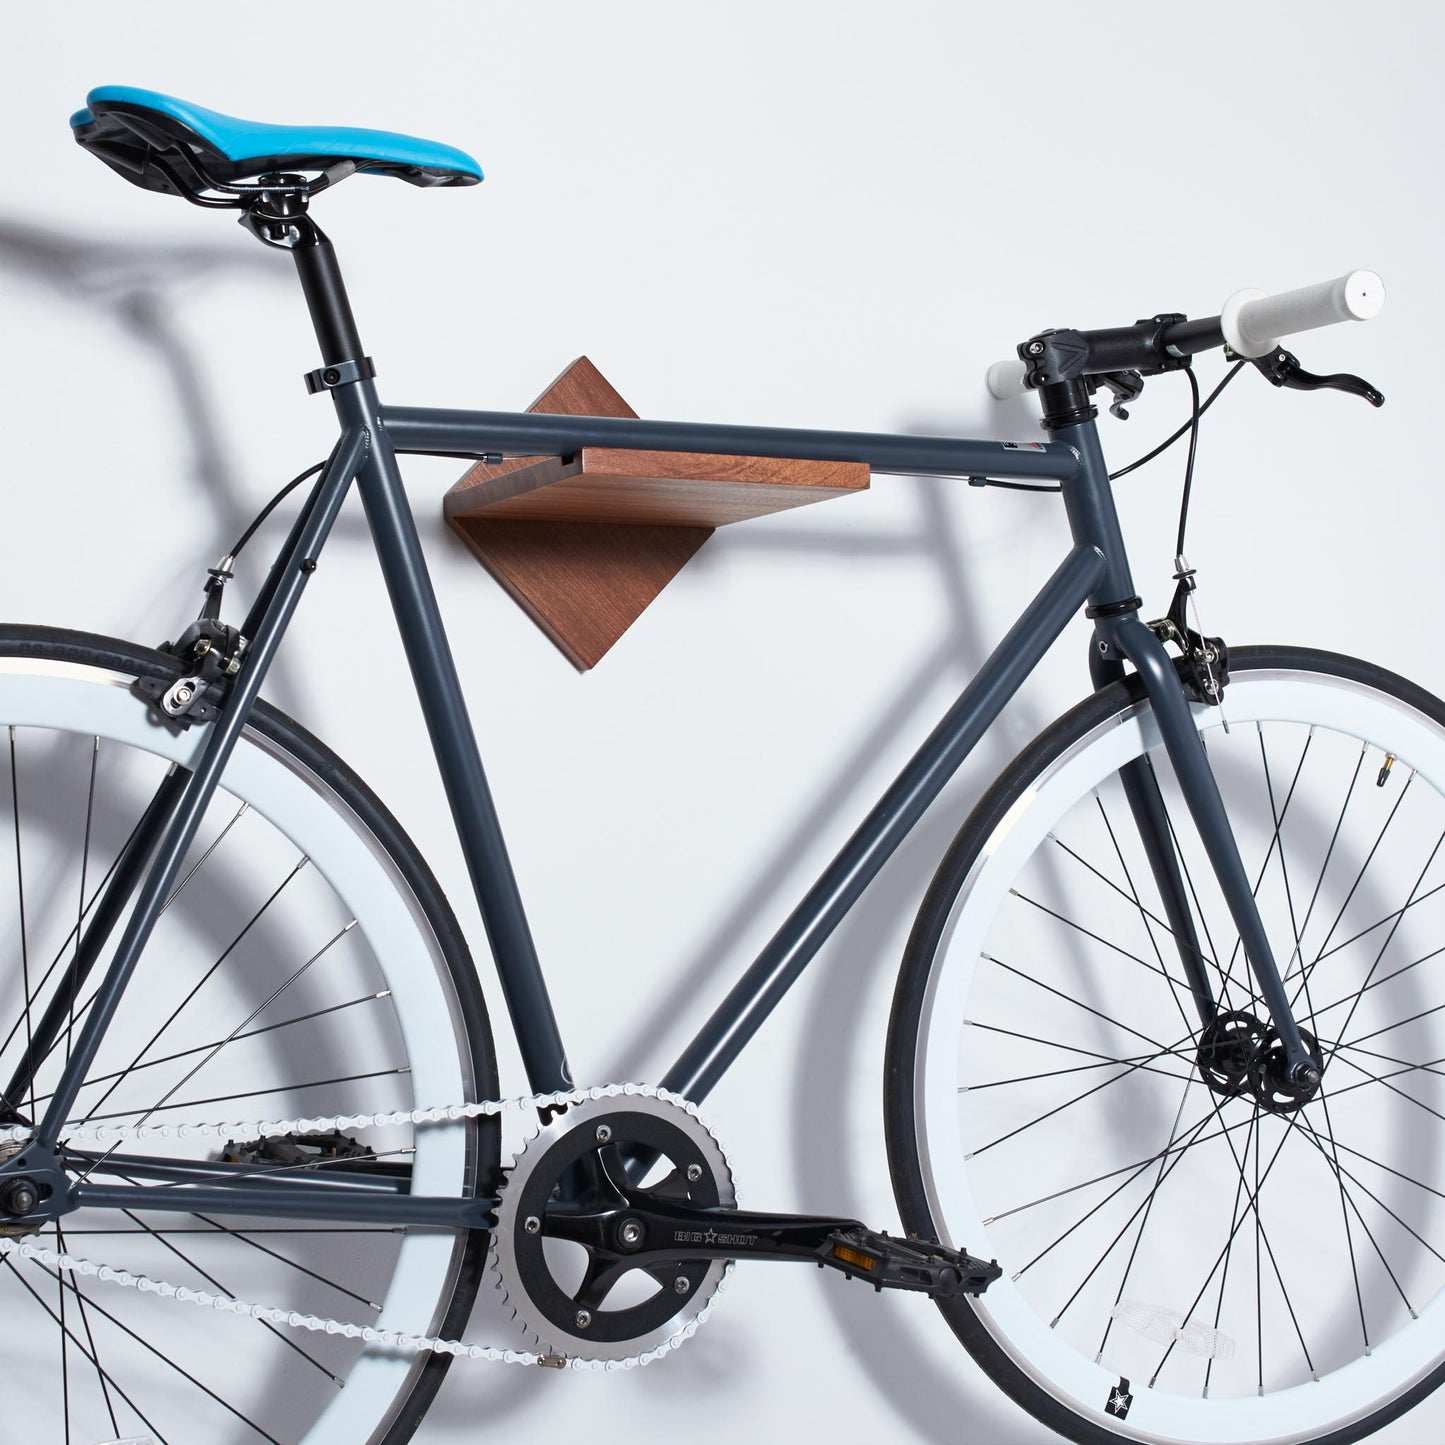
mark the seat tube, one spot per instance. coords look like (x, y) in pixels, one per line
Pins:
(429, 656)
(453, 741)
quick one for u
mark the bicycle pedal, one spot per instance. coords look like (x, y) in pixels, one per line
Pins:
(914, 1264)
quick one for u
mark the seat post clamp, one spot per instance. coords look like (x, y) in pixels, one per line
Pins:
(341, 373)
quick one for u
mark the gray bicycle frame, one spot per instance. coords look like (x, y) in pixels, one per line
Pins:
(1094, 573)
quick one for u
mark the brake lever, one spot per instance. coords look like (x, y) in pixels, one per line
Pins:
(1281, 368)
(1126, 386)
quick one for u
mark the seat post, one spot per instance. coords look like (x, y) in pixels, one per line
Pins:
(278, 217)
(326, 299)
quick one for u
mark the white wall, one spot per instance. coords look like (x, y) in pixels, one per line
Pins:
(831, 215)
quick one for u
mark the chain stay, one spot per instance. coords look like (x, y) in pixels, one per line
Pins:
(390, 1339)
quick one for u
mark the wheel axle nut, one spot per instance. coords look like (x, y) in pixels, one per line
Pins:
(583, 1319)
(532, 1224)
(20, 1197)
(604, 1134)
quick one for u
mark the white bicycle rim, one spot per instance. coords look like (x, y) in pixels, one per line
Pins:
(1395, 1361)
(91, 701)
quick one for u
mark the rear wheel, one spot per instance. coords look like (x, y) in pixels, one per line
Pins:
(1188, 1255)
(306, 964)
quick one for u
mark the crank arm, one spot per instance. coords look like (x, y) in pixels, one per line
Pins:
(653, 1232)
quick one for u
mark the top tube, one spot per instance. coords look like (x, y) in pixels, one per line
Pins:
(442, 432)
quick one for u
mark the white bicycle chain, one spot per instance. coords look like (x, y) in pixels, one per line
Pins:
(294, 1319)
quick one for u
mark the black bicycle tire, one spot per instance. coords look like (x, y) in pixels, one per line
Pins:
(63, 645)
(900, 1049)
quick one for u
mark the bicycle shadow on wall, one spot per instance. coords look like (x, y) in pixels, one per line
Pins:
(133, 287)
(863, 946)
(863, 956)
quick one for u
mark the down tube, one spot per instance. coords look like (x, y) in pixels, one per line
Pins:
(755, 995)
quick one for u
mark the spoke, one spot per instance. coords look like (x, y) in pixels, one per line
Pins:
(1333, 1160)
(1359, 878)
(1269, 853)
(1089, 933)
(1379, 1164)
(1137, 1166)
(1143, 1224)
(1375, 983)
(245, 1237)
(1234, 1217)
(100, 1309)
(1324, 868)
(1388, 1028)
(1059, 1073)
(235, 1039)
(253, 1093)
(1128, 1071)
(1078, 1003)
(1406, 1066)
(1150, 919)
(1087, 1053)
(1390, 917)
(1385, 1080)
(211, 1279)
(95, 897)
(64, 1359)
(1344, 1027)
(250, 1230)
(24, 932)
(1296, 930)
(90, 1337)
(89, 1354)
(1259, 1281)
(1133, 894)
(1370, 1194)
(1113, 1193)
(1189, 1314)
(80, 900)
(204, 979)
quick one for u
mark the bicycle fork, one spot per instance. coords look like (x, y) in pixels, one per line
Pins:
(1126, 638)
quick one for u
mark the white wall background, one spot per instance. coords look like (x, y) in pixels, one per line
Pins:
(813, 214)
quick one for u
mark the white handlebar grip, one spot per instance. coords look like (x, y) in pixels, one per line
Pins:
(1253, 322)
(1006, 379)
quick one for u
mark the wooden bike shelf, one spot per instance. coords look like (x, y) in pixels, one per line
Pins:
(584, 543)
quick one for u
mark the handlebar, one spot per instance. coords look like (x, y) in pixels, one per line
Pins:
(1251, 323)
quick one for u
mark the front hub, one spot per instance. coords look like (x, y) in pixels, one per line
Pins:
(1239, 1054)
(1226, 1049)
(1279, 1088)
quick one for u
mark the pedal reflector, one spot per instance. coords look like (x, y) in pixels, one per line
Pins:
(855, 1257)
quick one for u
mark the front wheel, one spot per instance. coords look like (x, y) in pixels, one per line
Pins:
(1187, 1254)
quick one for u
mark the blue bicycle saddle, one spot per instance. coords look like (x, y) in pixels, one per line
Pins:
(170, 145)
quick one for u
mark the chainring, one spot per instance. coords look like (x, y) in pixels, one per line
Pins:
(553, 1286)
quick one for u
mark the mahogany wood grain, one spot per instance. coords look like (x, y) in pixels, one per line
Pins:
(584, 585)
(585, 543)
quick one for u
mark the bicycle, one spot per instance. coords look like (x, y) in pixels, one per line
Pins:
(1079, 1153)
